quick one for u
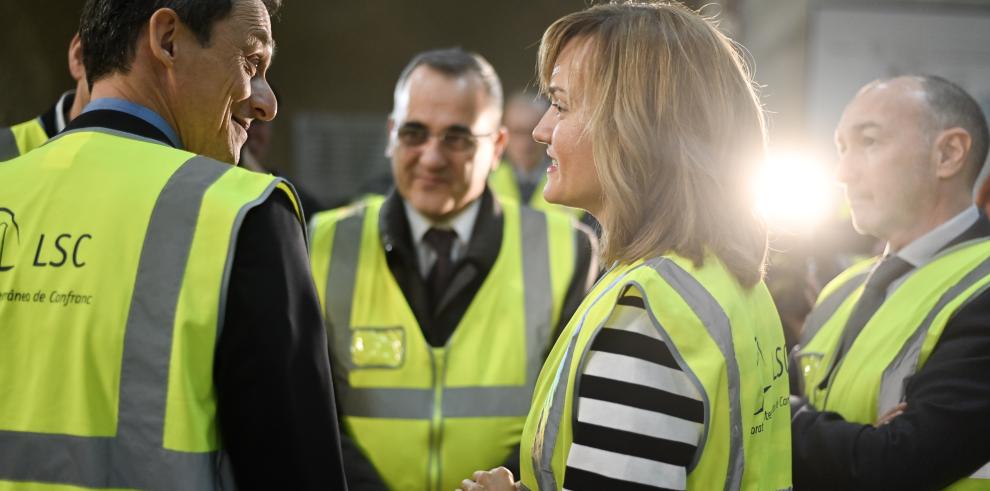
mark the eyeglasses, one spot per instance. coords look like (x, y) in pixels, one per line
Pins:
(453, 139)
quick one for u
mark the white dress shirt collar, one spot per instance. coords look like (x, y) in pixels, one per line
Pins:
(924, 248)
(462, 224)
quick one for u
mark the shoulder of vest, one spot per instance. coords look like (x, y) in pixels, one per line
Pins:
(31, 123)
(504, 171)
(370, 203)
(242, 186)
(711, 263)
(849, 274)
(555, 216)
(977, 248)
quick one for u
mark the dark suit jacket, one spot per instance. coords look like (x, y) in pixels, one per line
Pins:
(469, 273)
(943, 435)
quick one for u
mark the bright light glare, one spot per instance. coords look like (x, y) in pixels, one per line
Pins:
(794, 192)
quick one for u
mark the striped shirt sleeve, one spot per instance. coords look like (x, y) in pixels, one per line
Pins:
(639, 416)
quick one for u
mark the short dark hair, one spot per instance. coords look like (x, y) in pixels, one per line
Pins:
(110, 28)
(953, 107)
(456, 62)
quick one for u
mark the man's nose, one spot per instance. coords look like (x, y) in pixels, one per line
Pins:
(431, 153)
(845, 168)
(264, 105)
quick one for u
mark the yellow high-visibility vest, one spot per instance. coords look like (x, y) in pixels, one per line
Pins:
(428, 417)
(21, 138)
(727, 338)
(503, 184)
(115, 254)
(895, 343)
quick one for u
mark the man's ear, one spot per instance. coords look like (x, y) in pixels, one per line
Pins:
(76, 67)
(162, 28)
(501, 139)
(952, 148)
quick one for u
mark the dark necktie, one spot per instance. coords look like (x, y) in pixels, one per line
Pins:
(442, 241)
(884, 273)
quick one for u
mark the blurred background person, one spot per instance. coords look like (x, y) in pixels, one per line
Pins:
(522, 173)
(24, 137)
(441, 299)
(671, 374)
(895, 354)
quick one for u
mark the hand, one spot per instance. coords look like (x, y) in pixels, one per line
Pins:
(890, 415)
(498, 479)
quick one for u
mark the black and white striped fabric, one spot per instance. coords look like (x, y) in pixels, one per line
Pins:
(639, 416)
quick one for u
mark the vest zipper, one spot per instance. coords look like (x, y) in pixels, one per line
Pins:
(439, 358)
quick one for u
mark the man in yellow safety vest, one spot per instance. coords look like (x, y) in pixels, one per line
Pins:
(894, 357)
(160, 328)
(441, 299)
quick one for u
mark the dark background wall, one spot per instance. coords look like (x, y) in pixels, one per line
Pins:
(333, 56)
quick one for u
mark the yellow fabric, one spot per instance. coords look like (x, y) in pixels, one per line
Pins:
(855, 387)
(29, 135)
(860, 267)
(763, 375)
(44, 340)
(502, 182)
(190, 423)
(387, 350)
(104, 188)
(855, 383)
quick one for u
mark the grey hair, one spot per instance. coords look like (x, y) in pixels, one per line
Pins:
(455, 63)
(953, 107)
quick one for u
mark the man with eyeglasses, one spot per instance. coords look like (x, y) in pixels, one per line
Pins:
(441, 301)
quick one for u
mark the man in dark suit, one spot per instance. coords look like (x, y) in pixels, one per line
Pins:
(441, 301)
(895, 355)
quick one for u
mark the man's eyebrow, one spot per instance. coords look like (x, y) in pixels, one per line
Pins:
(458, 128)
(262, 38)
(866, 126)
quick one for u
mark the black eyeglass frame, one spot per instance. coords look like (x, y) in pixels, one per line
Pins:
(455, 139)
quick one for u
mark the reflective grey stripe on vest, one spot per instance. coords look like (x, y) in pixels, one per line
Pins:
(341, 278)
(135, 457)
(710, 312)
(543, 462)
(539, 294)
(905, 364)
(545, 443)
(8, 145)
(827, 308)
(458, 402)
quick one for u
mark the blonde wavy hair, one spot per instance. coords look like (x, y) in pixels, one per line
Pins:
(676, 127)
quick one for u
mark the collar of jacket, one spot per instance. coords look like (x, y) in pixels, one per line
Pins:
(49, 118)
(483, 245)
(119, 121)
(977, 230)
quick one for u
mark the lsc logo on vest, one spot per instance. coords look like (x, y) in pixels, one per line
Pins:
(66, 247)
(772, 373)
(10, 238)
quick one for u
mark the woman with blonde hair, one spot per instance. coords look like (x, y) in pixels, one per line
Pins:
(671, 374)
